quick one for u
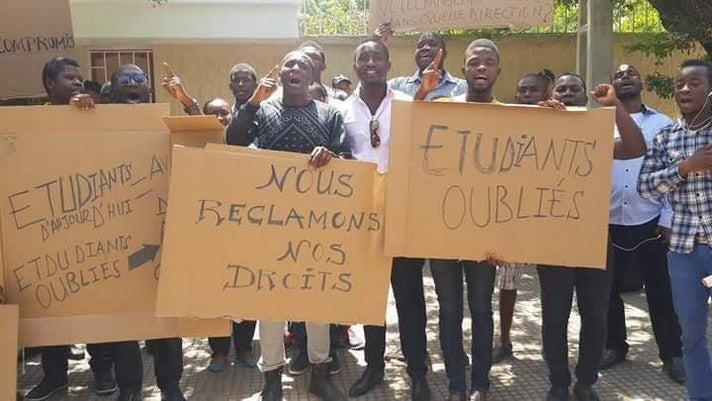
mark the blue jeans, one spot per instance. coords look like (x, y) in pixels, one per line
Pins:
(690, 299)
(479, 277)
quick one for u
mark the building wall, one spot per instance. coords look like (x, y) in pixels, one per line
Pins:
(204, 67)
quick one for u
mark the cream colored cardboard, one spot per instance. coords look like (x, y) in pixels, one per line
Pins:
(420, 15)
(31, 33)
(82, 216)
(195, 131)
(9, 315)
(527, 183)
(116, 327)
(257, 234)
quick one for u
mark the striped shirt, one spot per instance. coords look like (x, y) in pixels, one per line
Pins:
(691, 197)
(449, 86)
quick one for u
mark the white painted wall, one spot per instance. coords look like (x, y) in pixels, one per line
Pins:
(114, 21)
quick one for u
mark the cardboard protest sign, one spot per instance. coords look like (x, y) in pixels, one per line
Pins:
(31, 32)
(257, 234)
(527, 183)
(425, 15)
(195, 131)
(9, 315)
(82, 208)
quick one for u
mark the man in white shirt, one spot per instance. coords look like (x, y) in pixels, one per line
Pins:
(367, 117)
(636, 227)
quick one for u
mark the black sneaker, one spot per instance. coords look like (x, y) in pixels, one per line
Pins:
(334, 365)
(104, 383)
(299, 364)
(501, 352)
(45, 389)
(172, 393)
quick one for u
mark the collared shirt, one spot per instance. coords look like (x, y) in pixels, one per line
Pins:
(627, 207)
(357, 119)
(449, 86)
(691, 197)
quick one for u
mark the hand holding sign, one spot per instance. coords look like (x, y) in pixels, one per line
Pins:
(605, 95)
(320, 156)
(173, 85)
(268, 85)
(552, 104)
(431, 76)
(82, 101)
(384, 32)
(494, 259)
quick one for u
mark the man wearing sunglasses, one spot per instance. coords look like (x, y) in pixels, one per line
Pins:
(367, 116)
(130, 85)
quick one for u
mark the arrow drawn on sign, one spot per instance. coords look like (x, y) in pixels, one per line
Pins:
(143, 256)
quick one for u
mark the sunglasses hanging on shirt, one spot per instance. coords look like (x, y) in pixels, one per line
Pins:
(375, 139)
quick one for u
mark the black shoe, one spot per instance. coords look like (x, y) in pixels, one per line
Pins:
(419, 389)
(675, 370)
(299, 363)
(370, 378)
(272, 390)
(45, 389)
(501, 352)
(130, 396)
(322, 386)
(558, 394)
(611, 358)
(172, 393)
(104, 383)
(584, 392)
(334, 365)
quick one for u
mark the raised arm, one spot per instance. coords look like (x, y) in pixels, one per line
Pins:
(430, 79)
(174, 86)
(631, 143)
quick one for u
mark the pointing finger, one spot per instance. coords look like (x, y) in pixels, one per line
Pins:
(272, 74)
(168, 70)
(435, 64)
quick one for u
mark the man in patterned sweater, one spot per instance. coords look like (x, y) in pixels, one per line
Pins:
(292, 123)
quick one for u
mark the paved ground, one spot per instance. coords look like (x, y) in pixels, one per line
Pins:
(521, 378)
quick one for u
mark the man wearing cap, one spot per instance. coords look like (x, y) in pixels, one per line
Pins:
(341, 84)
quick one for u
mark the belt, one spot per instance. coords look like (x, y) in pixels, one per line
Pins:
(701, 239)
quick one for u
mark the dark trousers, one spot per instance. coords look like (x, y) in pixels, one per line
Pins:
(652, 257)
(125, 356)
(128, 364)
(168, 361)
(242, 335)
(479, 276)
(593, 288)
(407, 284)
